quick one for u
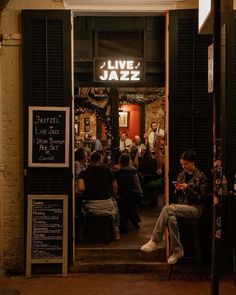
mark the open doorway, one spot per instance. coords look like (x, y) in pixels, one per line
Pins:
(137, 109)
(106, 110)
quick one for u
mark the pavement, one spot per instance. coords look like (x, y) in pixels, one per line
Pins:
(110, 284)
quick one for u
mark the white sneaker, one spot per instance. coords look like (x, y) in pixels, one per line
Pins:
(175, 256)
(149, 246)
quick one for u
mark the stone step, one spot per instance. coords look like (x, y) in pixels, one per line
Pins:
(122, 266)
(91, 254)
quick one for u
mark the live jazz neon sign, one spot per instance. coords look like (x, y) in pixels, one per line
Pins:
(118, 70)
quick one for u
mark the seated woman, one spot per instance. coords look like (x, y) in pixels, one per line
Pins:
(130, 193)
(98, 185)
(81, 161)
(191, 187)
(150, 181)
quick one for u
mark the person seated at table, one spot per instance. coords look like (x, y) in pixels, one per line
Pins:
(125, 142)
(150, 181)
(96, 144)
(191, 188)
(115, 166)
(129, 191)
(147, 165)
(81, 161)
(99, 186)
(141, 146)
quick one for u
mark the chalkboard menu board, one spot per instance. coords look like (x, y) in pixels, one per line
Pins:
(47, 230)
(48, 137)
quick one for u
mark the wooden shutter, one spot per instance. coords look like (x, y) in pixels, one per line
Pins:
(190, 106)
(47, 81)
(230, 104)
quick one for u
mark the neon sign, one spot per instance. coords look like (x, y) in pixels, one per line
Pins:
(118, 70)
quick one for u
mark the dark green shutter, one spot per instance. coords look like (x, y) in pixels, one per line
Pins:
(190, 106)
(47, 81)
(230, 106)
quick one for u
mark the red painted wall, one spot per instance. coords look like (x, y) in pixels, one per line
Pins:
(133, 127)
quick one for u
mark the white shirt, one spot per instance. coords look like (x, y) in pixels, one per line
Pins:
(125, 144)
(152, 138)
(141, 147)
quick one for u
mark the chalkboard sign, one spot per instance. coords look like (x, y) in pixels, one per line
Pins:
(47, 230)
(48, 137)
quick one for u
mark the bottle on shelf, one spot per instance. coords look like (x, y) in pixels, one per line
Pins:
(224, 185)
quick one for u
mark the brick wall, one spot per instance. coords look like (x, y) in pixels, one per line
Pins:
(81, 129)
(12, 156)
(11, 134)
(155, 112)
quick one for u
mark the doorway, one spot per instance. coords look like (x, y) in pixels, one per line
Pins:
(137, 108)
(134, 105)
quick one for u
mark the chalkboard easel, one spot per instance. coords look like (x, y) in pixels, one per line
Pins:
(47, 233)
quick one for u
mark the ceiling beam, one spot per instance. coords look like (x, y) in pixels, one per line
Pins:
(127, 6)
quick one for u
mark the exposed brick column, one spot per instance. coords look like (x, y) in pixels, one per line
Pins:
(1, 175)
(11, 147)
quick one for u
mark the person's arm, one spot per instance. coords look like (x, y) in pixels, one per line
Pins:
(77, 168)
(128, 143)
(147, 133)
(143, 148)
(80, 185)
(194, 193)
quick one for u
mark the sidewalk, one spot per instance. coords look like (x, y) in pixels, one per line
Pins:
(109, 284)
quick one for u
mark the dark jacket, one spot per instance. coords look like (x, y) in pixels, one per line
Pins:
(128, 181)
(195, 192)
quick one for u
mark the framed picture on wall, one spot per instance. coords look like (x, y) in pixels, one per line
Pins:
(86, 124)
(86, 121)
(123, 119)
(86, 128)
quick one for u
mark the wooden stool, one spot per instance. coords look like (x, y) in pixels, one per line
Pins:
(190, 236)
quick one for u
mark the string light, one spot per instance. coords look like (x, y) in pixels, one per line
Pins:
(103, 113)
